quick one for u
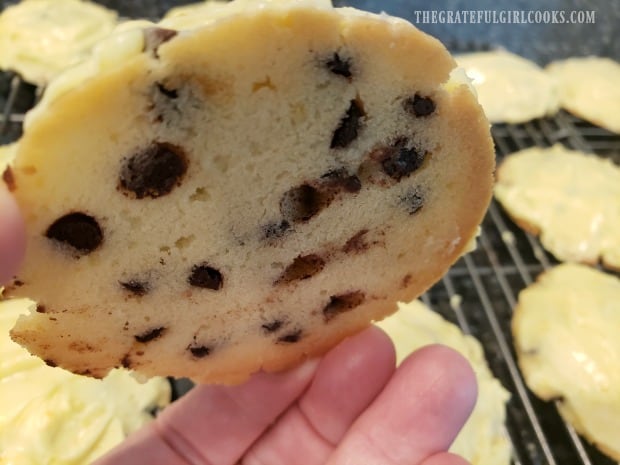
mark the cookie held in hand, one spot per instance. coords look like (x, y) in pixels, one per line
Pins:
(212, 202)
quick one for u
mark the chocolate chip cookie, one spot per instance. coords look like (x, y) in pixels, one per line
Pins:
(240, 196)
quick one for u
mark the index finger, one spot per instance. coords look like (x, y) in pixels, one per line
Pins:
(418, 414)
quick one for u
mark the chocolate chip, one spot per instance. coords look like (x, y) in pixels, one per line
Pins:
(50, 363)
(206, 277)
(199, 351)
(152, 172)
(357, 243)
(150, 335)
(350, 124)
(126, 361)
(136, 286)
(272, 326)
(154, 37)
(340, 179)
(170, 93)
(303, 267)
(276, 230)
(40, 308)
(78, 230)
(413, 200)
(419, 106)
(342, 303)
(339, 66)
(9, 179)
(17, 283)
(290, 338)
(301, 203)
(400, 160)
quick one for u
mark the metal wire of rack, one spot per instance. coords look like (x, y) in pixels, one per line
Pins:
(481, 289)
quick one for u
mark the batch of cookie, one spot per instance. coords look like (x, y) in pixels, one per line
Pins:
(187, 201)
(565, 325)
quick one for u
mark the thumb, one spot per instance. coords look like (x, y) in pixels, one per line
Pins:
(12, 235)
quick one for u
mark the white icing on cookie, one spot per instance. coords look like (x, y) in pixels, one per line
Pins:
(566, 329)
(510, 88)
(588, 87)
(571, 198)
(39, 39)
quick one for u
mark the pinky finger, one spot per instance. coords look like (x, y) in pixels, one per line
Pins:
(445, 458)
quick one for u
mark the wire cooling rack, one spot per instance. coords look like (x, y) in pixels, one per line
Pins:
(480, 290)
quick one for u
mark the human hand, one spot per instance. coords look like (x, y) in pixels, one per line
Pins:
(350, 407)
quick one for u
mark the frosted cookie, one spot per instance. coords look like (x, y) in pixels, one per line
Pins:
(566, 328)
(588, 88)
(511, 89)
(482, 440)
(244, 195)
(40, 38)
(570, 198)
(188, 16)
(50, 413)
